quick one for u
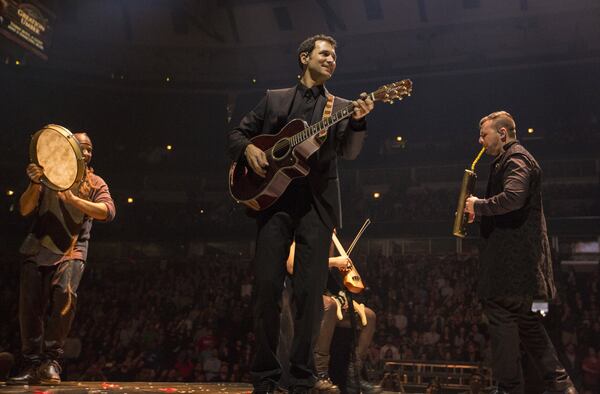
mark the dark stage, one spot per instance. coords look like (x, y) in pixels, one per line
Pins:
(142, 387)
(132, 387)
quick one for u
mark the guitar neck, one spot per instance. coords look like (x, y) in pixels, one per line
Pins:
(324, 124)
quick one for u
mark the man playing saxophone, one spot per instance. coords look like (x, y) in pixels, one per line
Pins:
(516, 266)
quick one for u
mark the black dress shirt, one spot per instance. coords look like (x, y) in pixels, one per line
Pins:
(305, 101)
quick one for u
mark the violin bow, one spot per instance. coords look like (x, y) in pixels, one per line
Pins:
(360, 232)
(339, 246)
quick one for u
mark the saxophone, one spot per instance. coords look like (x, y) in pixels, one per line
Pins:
(466, 189)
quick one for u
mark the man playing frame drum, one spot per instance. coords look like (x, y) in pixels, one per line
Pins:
(55, 252)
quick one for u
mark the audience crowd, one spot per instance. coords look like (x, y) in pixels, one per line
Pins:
(189, 319)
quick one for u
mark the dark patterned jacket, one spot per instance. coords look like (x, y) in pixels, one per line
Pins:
(515, 253)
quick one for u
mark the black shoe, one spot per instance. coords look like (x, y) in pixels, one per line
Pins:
(29, 375)
(49, 372)
(369, 388)
(362, 386)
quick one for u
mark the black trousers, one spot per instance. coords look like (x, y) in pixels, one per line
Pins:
(514, 326)
(294, 218)
(47, 303)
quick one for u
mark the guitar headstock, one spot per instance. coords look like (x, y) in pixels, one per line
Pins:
(393, 91)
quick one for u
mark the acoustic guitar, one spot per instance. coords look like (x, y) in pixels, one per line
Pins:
(288, 151)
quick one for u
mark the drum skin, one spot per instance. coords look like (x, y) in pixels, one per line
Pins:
(57, 151)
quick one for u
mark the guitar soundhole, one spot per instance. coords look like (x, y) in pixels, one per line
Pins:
(281, 149)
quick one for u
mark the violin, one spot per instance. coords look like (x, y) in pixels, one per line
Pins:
(352, 280)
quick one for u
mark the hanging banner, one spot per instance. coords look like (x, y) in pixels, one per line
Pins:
(28, 24)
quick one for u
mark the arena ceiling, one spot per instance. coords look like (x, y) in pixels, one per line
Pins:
(212, 43)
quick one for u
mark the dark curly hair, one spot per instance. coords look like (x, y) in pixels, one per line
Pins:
(309, 44)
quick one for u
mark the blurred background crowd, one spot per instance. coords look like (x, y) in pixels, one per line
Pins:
(188, 319)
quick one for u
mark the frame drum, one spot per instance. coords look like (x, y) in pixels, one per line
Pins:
(57, 151)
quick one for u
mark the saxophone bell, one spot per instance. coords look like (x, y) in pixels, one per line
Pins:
(466, 189)
(461, 217)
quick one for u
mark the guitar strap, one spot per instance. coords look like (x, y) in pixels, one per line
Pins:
(326, 114)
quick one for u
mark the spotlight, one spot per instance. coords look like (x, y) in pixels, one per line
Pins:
(168, 79)
(169, 147)
(10, 192)
(530, 130)
(253, 80)
(202, 211)
(376, 195)
(398, 142)
(17, 62)
(129, 200)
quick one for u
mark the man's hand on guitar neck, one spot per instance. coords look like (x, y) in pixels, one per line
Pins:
(362, 106)
(257, 160)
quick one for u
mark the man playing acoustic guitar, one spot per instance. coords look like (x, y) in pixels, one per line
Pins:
(307, 211)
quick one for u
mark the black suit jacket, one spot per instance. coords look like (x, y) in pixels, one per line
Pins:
(271, 115)
(515, 252)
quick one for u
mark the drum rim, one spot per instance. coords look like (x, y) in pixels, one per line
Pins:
(74, 144)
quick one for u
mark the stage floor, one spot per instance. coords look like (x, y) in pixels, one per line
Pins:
(131, 387)
(147, 387)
